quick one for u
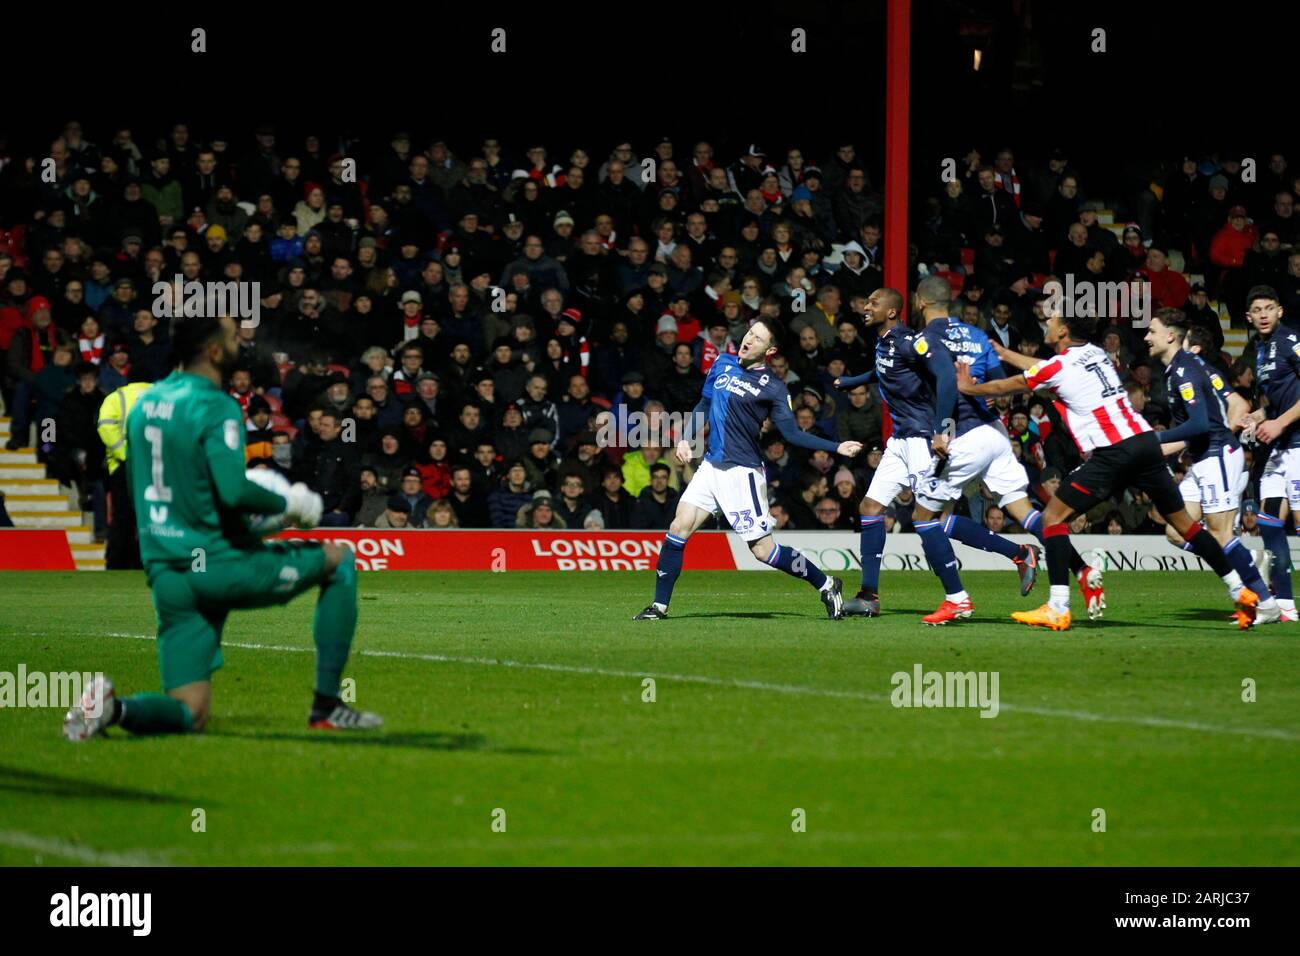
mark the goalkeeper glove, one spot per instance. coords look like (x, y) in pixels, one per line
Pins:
(305, 507)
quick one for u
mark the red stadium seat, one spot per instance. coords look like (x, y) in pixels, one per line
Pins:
(285, 369)
(955, 279)
(276, 405)
(604, 403)
(1051, 258)
(347, 372)
(968, 258)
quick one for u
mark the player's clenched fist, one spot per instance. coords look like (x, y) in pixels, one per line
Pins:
(684, 452)
(849, 449)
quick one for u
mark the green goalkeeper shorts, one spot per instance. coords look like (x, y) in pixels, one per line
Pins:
(192, 605)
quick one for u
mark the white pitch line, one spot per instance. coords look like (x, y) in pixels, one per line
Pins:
(797, 689)
(53, 846)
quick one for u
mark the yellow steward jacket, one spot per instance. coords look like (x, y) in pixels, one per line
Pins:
(112, 420)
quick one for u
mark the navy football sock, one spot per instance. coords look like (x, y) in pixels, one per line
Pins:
(975, 535)
(793, 563)
(873, 547)
(1242, 562)
(938, 551)
(1273, 531)
(668, 568)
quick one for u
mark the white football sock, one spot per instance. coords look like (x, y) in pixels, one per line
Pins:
(1233, 580)
(1059, 598)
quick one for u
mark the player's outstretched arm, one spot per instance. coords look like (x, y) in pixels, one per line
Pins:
(783, 419)
(1013, 358)
(967, 385)
(848, 382)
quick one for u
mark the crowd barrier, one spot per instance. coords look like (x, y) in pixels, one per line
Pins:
(23, 549)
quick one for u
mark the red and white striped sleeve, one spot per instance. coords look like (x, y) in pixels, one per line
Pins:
(1043, 374)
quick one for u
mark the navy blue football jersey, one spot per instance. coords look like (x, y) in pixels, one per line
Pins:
(909, 367)
(1190, 382)
(971, 346)
(1277, 369)
(739, 400)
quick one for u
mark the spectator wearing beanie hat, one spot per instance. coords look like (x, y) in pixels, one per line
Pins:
(397, 514)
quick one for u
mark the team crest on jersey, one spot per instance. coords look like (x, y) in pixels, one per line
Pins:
(232, 434)
(1188, 391)
(921, 347)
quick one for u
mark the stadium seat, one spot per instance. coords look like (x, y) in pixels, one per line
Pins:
(277, 407)
(603, 402)
(954, 279)
(968, 258)
(285, 369)
(347, 372)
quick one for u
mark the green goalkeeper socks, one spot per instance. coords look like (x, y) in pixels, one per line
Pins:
(154, 714)
(334, 625)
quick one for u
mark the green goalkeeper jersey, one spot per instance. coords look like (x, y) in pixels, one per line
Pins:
(185, 452)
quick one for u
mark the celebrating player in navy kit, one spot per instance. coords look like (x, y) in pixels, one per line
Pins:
(1205, 410)
(741, 393)
(918, 383)
(1277, 370)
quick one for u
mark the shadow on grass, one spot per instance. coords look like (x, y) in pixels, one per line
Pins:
(754, 615)
(49, 785)
(428, 740)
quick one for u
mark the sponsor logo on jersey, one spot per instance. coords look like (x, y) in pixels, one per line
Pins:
(736, 384)
(232, 434)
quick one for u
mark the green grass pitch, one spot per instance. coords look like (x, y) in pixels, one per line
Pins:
(523, 692)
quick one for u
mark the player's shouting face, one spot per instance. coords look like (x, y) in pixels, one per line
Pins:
(758, 345)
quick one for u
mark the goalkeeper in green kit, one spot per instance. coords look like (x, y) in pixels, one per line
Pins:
(201, 519)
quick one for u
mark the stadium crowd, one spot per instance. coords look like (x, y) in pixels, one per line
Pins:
(444, 340)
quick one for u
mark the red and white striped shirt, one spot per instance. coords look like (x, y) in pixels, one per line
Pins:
(1089, 397)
